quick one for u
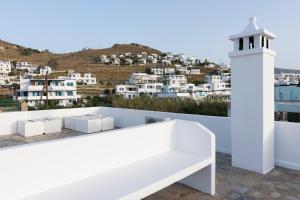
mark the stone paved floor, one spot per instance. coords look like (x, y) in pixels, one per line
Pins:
(15, 139)
(235, 183)
(231, 182)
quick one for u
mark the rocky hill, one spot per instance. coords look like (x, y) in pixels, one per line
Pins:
(81, 61)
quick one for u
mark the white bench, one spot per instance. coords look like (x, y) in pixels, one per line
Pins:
(130, 163)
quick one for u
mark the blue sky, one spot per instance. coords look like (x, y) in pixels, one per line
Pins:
(195, 27)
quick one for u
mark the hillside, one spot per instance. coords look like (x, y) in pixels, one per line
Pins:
(81, 61)
(284, 70)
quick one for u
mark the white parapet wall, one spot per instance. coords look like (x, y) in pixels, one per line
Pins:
(218, 125)
(129, 163)
(287, 145)
(287, 134)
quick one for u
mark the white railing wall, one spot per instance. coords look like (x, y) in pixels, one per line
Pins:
(287, 145)
(218, 125)
(287, 135)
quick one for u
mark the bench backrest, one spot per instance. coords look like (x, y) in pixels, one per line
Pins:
(33, 168)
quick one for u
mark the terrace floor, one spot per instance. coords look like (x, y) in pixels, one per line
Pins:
(231, 182)
(235, 183)
(15, 139)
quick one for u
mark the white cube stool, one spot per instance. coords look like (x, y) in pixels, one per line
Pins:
(88, 124)
(31, 127)
(108, 123)
(53, 125)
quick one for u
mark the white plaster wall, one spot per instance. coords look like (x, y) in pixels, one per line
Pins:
(287, 145)
(50, 164)
(247, 112)
(9, 120)
(220, 126)
(287, 135)
(53, 163)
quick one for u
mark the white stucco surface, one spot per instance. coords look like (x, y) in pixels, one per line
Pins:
(138, 161)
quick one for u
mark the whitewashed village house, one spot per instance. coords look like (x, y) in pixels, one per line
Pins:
(45, 70)
(34, 90)
(5, 69)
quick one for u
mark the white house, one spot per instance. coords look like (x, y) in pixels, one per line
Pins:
(26, 66)
(74, 76)
(128, 61)
(157, 70)
(104, 59)
(34, 90)
(5, 69)
(142, 61)
(162, 70)
(141, 78)
(225, 65)
(89, 79)
(166, 62)
(169, 71)
(127, 91)
(175, 80)
(216, 83)
(45, 69)
(151, 89)
(286, 79)
(195, 71)
(225, 77)
(5, 66)
(182, 69)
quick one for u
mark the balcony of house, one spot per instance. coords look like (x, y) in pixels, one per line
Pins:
(231, 182)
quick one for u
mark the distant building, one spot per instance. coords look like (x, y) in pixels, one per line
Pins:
(195, 71)
(175, 80)
(225, 77)
(142, 78)
(157, 70)
(45, 69)
(152, 89)
(89, 79)
(225, 65)
(5, 69)
(26, 66)
(162, 70)
(215, 82)
(33, 90)
(127, 91)
(5, 66)
(74, 76)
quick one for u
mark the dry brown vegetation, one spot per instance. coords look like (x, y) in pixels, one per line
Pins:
(81, 61)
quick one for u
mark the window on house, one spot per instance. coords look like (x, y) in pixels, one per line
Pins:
(251, 42)
(69, 84)
(267, 43)
(241, 44)
(262, 41)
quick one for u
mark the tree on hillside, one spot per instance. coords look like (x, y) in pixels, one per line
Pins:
(148, 70)
(53, 63)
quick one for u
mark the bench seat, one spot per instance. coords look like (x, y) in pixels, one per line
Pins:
(133, 181)
(130, 163)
